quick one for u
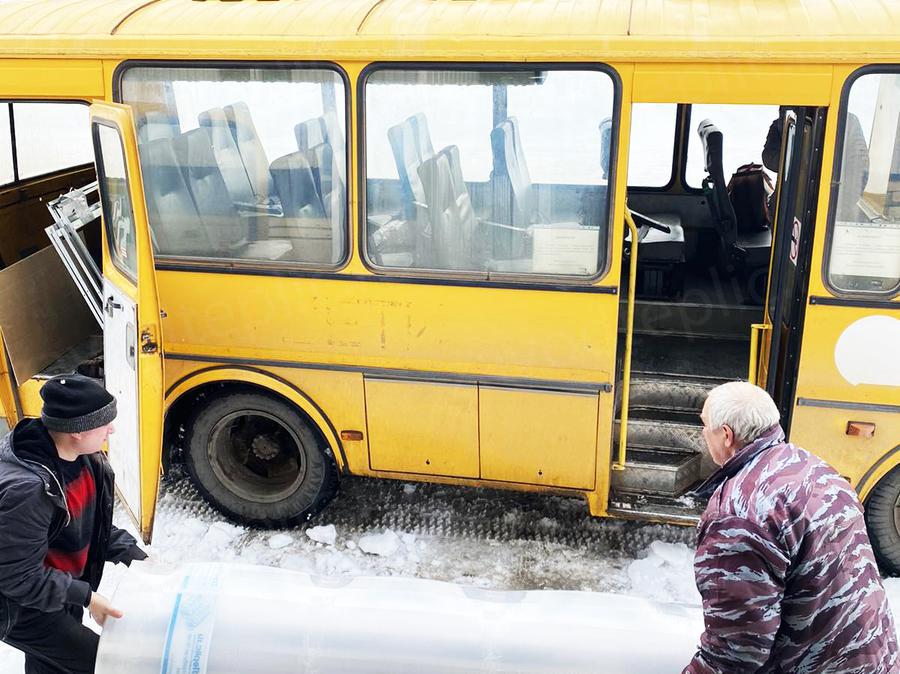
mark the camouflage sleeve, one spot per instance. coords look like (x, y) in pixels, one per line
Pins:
(740, 571)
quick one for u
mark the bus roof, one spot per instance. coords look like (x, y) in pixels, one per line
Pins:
(384, 29)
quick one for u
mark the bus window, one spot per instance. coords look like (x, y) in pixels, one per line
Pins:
(245, 164)
(744, 129)
(117, 202)
(37, 123)
(487, 172)
(652, 144)
(865, 220)
(7, 172)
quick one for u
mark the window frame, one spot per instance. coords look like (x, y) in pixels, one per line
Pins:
(104, 197)
(479, 278)
(17, 180)
(254, 267)
(874, 295)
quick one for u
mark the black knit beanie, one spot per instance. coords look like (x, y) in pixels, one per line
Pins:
(74, 403)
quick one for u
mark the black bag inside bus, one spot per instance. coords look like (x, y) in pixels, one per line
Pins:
(749, 190)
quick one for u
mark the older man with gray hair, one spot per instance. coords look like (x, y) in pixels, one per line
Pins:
(784, 566)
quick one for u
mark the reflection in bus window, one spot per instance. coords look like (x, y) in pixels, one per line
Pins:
(865, 243)
(487, 172)
(243, 163)
(744, 129)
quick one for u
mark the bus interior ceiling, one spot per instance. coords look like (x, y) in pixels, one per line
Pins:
(48, 328)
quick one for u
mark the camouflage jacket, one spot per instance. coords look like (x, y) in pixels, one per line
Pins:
(786, 571)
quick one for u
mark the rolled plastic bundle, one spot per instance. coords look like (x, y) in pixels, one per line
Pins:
(237, 619)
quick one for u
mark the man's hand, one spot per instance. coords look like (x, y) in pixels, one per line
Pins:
(100, 609)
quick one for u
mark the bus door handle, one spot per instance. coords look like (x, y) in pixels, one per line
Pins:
(110, 306)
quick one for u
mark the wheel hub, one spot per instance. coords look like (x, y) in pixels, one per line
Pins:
(265, 447)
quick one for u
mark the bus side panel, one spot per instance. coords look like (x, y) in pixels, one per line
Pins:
(835, 386)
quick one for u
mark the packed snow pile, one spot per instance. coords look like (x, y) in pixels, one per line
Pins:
(665, 574)
(231, 619)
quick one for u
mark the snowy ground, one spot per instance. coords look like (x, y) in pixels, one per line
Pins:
(484, 538)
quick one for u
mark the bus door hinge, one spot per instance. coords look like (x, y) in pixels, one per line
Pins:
(148, 341)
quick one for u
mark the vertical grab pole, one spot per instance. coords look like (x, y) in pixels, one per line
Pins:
(629, 331)
(755, 330)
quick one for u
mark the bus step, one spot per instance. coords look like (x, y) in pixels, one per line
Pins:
(655, 508)
(666, 435)
(709, 320)
(672, 399)
(657, 471)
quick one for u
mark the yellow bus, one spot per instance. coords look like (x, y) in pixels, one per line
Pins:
(475, 242)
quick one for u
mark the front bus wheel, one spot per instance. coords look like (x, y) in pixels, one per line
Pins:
(883, 521)
(257, 460)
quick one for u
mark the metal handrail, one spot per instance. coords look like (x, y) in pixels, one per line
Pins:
(629, 334)
(755, 330)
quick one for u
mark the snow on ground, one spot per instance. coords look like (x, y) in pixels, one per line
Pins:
(478, 537)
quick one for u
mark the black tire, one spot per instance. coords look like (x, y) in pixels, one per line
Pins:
(883, 522)
(256, 459)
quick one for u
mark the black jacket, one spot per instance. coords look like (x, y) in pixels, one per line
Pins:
(32, 513)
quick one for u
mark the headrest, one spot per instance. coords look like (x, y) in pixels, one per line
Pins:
(310, 133)
(156, 125)
(240, 120)
(421, 135)
(194, 151)
(215, 120)
(712, 145)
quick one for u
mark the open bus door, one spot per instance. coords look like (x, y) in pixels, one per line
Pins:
(775, 346)
(131, 333)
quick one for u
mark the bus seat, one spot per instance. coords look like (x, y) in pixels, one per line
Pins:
(327, 130)
(451, 216)
(224, 226)
(752, 249)
(175, 223)
(310, 133)
(330, 187)
(227, 156)
(421, 135)
(155, 125)
(296, 184)
(318, 237)
(408, 160)
(509, 161)
(251, 150)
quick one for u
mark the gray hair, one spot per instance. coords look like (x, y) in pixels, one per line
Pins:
(746, 408)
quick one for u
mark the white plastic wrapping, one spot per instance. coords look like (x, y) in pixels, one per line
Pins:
(236, 619)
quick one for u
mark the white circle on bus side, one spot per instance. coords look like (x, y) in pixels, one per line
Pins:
(867, 351)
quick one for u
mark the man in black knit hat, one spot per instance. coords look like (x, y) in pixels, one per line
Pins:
(56, 530)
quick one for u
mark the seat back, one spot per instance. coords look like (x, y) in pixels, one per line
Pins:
(310, 133)
(421, 136)
(714, 186)
(227, 155)
(451, 218)
(406, 158)
(335, 137)
(224, 226)
(251, 150)
(509, 160)
(156, 125)
(605, 145)
(297, 187)
(175, 224)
